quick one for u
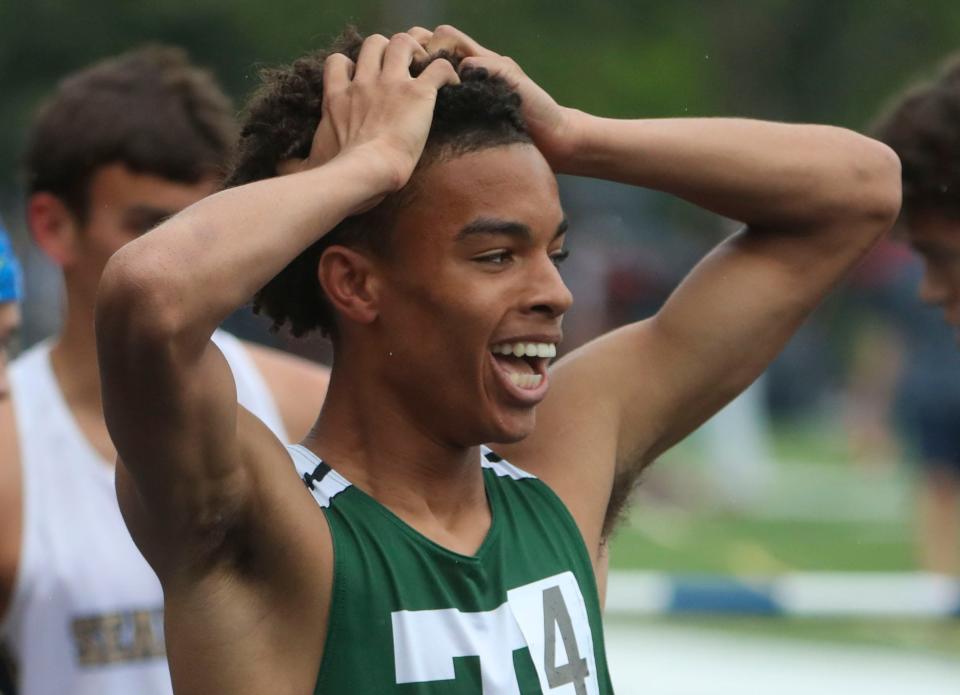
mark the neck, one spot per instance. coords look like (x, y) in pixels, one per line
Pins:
(374, 438)
(74, 356)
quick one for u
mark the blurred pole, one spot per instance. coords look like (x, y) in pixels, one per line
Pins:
(738, 443)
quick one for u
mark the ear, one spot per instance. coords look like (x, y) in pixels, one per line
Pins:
(351, 282)
(55, 228)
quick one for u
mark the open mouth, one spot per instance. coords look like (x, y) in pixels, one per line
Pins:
(524, 364)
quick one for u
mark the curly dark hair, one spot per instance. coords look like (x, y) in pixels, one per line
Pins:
(923, 128)
(279, 124)
(149, 109)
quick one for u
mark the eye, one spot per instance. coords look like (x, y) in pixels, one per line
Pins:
(500, 257)
(558, 257)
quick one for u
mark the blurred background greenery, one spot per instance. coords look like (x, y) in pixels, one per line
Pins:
(819, 60)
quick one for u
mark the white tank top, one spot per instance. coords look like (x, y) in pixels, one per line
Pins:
(86, 616)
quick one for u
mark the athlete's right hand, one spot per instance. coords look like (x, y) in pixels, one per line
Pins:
(376, 111)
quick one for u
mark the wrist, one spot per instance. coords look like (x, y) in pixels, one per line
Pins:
(573, 142)
(371, 176)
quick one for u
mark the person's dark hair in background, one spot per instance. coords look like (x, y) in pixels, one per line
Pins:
(923, 127)
(148, 109)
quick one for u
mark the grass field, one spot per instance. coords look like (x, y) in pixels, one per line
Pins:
(818, 513)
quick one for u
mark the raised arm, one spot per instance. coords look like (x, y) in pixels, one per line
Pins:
(813, 199)
(190, 454)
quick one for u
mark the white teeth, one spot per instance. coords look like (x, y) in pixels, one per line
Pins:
(528, 349)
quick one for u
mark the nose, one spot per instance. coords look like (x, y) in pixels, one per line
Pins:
(550, 295)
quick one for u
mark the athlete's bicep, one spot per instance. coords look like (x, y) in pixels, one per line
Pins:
(173, 417)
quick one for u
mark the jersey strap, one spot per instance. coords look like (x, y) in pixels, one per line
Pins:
(323, 482)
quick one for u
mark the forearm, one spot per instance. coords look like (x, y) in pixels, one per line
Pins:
(195, 269)
(770, 175)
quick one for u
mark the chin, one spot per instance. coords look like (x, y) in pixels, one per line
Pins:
(511, 430)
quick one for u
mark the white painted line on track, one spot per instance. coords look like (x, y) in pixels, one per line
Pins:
(680, 660)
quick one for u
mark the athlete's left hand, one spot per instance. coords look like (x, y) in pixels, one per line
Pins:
(551, 126)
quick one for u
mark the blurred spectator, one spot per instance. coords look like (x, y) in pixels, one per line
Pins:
(11, 291)
(118, 147)
(923, 127)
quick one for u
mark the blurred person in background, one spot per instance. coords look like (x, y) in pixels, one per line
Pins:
(418, 221)
(11, 291)
(922, 126)
(118, 147)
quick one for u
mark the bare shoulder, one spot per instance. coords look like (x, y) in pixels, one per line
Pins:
(11, 503)
(298, 386)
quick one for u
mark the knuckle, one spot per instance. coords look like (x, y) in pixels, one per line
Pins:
(376, 38)
(445, 30)
(335, 59)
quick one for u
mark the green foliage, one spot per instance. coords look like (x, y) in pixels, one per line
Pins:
(826, 60)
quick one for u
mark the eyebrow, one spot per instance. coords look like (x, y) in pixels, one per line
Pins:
(490, 226)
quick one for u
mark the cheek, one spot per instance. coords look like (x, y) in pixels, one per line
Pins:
(104, 240)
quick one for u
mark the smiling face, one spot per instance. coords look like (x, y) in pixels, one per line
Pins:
(936, 238)
(473, 303)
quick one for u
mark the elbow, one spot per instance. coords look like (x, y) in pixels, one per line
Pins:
(875, 198)
(886, 185)
(136, 304)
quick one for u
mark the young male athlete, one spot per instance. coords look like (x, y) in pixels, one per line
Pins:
(118, 147)
(922, 126)
(419, 224)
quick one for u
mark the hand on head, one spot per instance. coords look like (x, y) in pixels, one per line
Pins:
(374, 107)
(550, 125)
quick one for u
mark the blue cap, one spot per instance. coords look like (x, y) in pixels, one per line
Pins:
(11, 276)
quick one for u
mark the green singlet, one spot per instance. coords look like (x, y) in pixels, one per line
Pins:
(521, 617)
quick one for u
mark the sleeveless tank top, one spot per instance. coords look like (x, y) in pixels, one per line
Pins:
(407, 615)
(86, 616)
